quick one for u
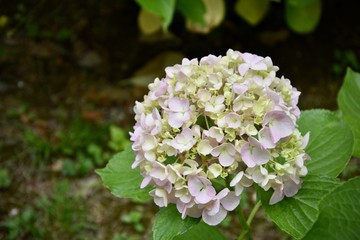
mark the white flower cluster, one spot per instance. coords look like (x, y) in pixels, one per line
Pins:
(210, 128)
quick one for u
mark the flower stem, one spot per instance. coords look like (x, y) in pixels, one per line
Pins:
(206, 121)
(253, 212)
(245, 230)
(246, 223)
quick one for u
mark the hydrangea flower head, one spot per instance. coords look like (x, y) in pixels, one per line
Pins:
(213, 127)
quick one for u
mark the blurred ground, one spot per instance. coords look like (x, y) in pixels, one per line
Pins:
(69, 75)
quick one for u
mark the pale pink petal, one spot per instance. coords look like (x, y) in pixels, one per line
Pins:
(226, 159)
(175, 120)
(246, 155)
(265, 138)
(194, 211)
(178, 105)
(239, 88)
(280, 124)
(150, 156)
(149, 142)
(238, 189)
(236, 179)
(249, 57)
(145, 181)
(226, 153)
(181, 207)
(277, 196)
(295, 96)
(253, 153)
(214, 219)
(195, 186)
(222, 193)
(259, 66)
(215, 132)
(243, 68)
(210, 60)
(159, 171)
(274, 96)
(206, 195)
(213, 208)
(291, 188)
(260, 155)
(305, 140)
(139, 158)
(231, 201)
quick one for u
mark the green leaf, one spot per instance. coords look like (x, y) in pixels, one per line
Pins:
(296, 215)
(192, 9)
(302, 16)
(162, 8)
(202, 231)
(121, 179)
(349, 104)
(168, 223)
(330, 144)
(253, 11)
(339, 214)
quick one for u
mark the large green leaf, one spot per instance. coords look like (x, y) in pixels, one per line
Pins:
(192, 9)
(349, 104)
(331, 141)
(339, 214)
(296, 215)
(302, 16)
(121, 179)
(202, 231)
(253, 11)
(162, 8)
(168, 223)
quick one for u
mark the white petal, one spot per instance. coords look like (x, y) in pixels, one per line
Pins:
(236, 179)
(204, 147)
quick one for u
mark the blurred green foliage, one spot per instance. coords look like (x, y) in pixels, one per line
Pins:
(344, 59)
(80, 147)
(24, 224)
(134, 218)
(5, 179)
(34, 29)
(302, 16)
(59, 215)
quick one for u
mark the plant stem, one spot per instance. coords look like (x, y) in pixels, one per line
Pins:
(206, 121)
(246, 224)
(253, 212)
(246, 228)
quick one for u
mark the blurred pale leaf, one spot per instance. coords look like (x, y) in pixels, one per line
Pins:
(302, 16)
(193, 10)
(148, 23)
(253, 11)
(215, 13)
(162, 8)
